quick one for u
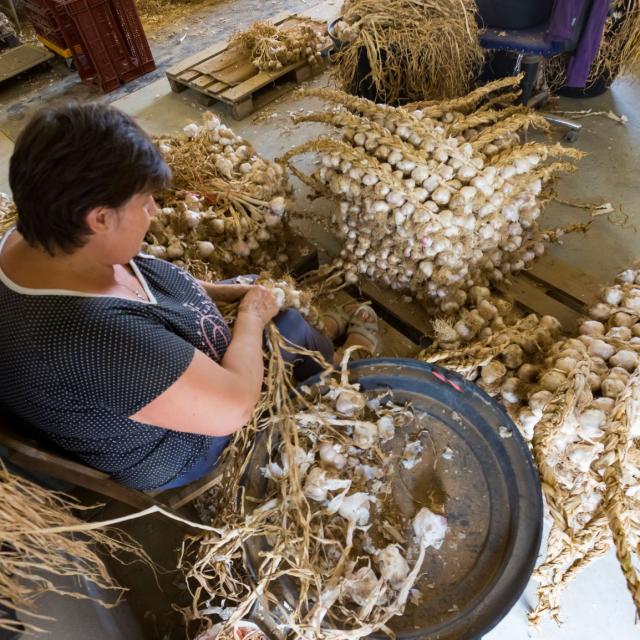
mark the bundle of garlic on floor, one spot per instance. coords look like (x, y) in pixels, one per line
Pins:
(226, 211)
(327, 517)
(575, 399)
(585, 443)
(499, 347)
(271, 47)
(437, 198)
(7, 212)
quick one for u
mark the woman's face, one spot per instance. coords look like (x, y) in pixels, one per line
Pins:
(131, 223)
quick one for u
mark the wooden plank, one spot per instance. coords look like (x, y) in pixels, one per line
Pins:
(566, 278)
(410, 316)
(196, 58)
(322, 11)
(188, 75)
(21, 58)
(534, 298)
(303, 256)
(105, 487)
(203, 81)
(216, 88)
(259, 80)
(177, 498)
(263, 98)
(31, 451)
(237, 73)
(220, 62)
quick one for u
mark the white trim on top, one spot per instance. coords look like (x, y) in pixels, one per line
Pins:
(27, 291)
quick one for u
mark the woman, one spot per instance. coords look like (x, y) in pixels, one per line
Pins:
(122, 360)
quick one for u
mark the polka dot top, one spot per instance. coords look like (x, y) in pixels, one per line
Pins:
(75, 366)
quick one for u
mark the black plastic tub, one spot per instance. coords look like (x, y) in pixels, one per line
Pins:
(513, 14)
(487, 485)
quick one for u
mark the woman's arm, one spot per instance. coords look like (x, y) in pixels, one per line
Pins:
(218, 399)
(225, 292)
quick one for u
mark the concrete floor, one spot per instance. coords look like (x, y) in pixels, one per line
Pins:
(597, 603)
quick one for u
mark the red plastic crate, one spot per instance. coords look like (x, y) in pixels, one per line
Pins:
(110, 35)
(49, 21)
(134, 35)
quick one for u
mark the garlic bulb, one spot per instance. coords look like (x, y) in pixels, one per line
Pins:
(332, 455)
(393, 567)
(244, 207)
(318, 484)
(349, 402)
(386, 428)
(626, 359)
(205, 248)
(359, 586)
(279, 296)
(493, 372)
(365, 435)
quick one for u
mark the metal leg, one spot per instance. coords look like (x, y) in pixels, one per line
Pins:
(14, 13)
(573, 128)
(530, 66)
(518, 65)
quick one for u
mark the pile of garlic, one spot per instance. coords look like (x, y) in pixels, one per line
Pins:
(432, 204)
(346, 479)
(566, 394)
(272, 48)
(7, 208)
(226, 213)
(609, 343)
(493, 343)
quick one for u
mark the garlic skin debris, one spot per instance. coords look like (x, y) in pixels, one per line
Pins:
(355, 508)
(349, 402)
(393, 567)
(359, 586)
(331, 454)
(429, 528)
(365, 435)
(318, 484)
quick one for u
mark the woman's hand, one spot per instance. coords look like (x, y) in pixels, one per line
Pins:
(259, 302)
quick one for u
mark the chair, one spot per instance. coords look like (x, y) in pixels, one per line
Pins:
(30, 455)
(531, 49)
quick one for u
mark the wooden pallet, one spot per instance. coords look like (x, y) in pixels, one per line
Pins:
(225, 75)
(552, 287)
(22, 58)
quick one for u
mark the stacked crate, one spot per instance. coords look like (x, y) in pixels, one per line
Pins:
(105, 38)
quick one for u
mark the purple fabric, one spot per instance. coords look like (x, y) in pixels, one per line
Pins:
(561, 27)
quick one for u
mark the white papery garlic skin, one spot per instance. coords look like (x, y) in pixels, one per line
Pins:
(355, 508)
(359, 586)
(350, 402)
(429, 528)
(331, 454)
(393, 566)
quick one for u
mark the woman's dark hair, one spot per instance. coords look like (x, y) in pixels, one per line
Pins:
(73, 158)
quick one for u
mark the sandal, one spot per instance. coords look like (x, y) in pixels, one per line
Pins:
(367, 329)
(341, 316)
